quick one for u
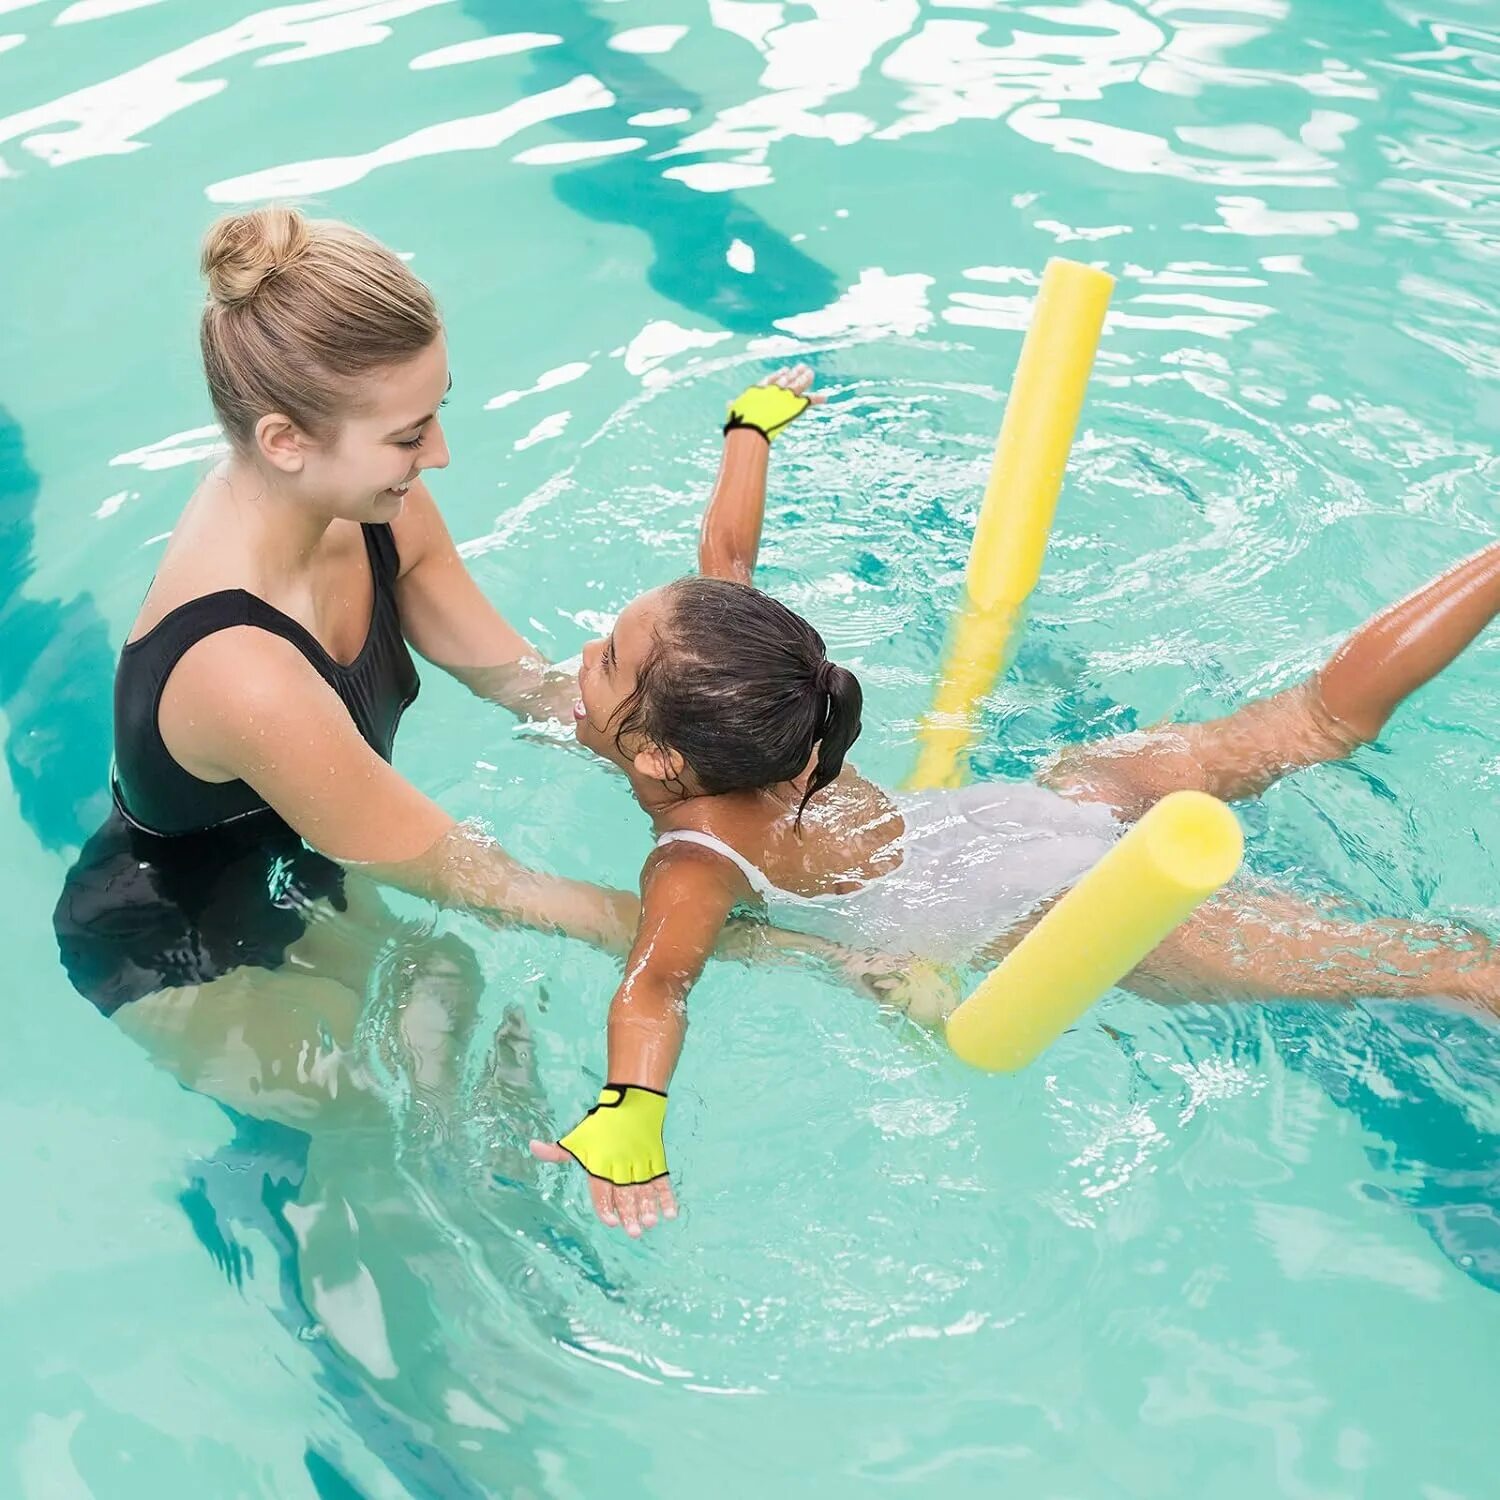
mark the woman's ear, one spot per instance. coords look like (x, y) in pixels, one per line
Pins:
(280, 443)
(659, 763)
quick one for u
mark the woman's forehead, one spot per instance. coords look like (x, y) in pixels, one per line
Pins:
(405, 394)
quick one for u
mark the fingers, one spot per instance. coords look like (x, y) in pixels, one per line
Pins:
(796, 378)
(665, 1198)
(603, 1194)
(633, 1212)
(637, 1208)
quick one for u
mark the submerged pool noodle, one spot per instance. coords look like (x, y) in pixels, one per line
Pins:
(1015, 518)
(1187, 846)
(1178, 855)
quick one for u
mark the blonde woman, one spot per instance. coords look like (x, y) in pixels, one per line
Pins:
(260, 689)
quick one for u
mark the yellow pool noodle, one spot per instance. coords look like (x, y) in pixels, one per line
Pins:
(1015, 517)
(1170, 862)
(1041, 416)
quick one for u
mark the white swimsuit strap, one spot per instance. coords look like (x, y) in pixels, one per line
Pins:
(758, 882)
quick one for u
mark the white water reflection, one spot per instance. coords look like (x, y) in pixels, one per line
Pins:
(647, 40)
(1253, 216)
(471, 133)
(196, 445)
(505, 45)
(1187, 307)
(107, 118)
(658, 341)
(548, 427)
(547, 381)
(1037, 68)
(563, 153)
(99, 10)
(878, 305)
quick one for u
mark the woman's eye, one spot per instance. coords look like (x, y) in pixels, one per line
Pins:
(415, 442)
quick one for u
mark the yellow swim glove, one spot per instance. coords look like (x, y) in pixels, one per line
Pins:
(765, 409)
(619, 1139)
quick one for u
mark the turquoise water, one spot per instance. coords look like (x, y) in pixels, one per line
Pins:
(1245, 1254)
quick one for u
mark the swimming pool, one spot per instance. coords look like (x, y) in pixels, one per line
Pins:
(1239, 1253)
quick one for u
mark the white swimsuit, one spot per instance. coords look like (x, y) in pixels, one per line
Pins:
(975, 860)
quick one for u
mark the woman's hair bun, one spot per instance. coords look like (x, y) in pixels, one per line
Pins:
(241, 252)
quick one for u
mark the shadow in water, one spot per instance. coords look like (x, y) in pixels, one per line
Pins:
(56, 672)
(690, 232)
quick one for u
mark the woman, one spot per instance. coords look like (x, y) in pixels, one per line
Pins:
(259, 692)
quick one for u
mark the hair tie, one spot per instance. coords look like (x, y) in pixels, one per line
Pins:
(823, 683)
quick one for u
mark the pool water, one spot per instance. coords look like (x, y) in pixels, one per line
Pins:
(1230, 1252)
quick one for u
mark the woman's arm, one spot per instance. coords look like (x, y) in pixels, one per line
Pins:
(243, 704)
(447, 618)
(730, 540)
(686, 895)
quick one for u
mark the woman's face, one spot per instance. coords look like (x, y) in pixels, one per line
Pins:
(608, 675)
(363, 474)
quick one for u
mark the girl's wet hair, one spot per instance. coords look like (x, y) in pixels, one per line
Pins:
(742, 688)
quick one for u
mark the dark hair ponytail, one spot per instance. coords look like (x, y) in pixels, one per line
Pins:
(841, 724)
(742, 688)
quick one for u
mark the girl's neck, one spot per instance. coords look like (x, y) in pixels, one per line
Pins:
(670, 809)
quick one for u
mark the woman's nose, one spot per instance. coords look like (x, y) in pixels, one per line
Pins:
(435, 450)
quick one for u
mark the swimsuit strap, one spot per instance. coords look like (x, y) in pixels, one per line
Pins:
(758, 881)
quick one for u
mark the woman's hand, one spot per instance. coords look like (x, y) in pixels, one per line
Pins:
(926, 992)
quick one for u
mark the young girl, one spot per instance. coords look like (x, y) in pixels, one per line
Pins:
(723, 709)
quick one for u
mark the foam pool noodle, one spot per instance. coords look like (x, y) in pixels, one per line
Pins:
(1183, 850)
(1015, 517)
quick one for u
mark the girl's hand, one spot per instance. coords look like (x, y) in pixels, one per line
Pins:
(798, 379)
(759, 410)
(637, 1208)
(619, 1144)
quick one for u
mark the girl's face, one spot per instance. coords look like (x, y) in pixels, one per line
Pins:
(607, 678)
(364, 471)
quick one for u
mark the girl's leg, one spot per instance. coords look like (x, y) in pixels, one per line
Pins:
(1247, 945)
(1343, 705)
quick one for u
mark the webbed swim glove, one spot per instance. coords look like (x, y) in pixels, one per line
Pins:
(766, 409)
(619, 1139)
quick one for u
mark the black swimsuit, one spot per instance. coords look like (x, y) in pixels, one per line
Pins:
(189, 879)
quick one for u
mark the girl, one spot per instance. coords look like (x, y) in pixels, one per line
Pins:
(723, 709)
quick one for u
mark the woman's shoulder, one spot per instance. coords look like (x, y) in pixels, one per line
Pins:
(419, 530)
(197, 562)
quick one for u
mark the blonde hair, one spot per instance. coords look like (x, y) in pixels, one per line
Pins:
(298, 310)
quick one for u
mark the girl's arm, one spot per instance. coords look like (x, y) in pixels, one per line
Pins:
(730, 540)
(686, 896)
